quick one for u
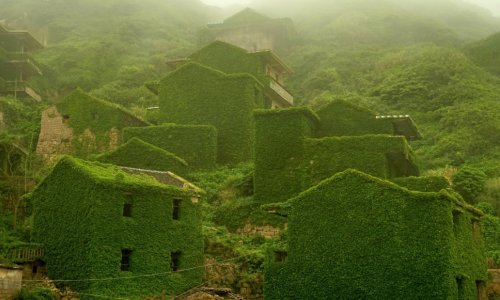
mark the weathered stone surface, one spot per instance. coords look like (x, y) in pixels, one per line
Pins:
(10, 281)
(266, 231)
(55, 135)
(493, 286)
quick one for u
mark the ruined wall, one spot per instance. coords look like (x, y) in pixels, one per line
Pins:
(55, 134)
(10, 281)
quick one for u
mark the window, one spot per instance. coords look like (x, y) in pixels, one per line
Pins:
(175, 260)
(127, 209)
(460, 288)
(176, 209)
(280, 256)
(125, 263)
(456, 218)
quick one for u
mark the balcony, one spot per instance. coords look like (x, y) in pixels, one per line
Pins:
(21, 89)
(24, 253)
(280, 94)
(27, 63)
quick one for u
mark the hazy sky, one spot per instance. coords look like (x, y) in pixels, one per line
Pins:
(492, 5)
(223, 3)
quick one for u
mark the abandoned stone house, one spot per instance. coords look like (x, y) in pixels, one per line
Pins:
(252, 31)
(354, 236)
(17, 65)
(296, 148)
(118, 223)
(81, 125)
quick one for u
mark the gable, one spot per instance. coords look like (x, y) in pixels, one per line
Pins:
(136, 153)
(247, 16)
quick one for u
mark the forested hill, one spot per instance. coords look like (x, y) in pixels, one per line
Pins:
(419, 57)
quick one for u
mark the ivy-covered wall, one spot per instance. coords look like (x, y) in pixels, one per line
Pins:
(136, 153)
(231, 59)
(279, 151)
(379, 155)
(354, 236)
(195, 94)
(78, 216)
(196, 144)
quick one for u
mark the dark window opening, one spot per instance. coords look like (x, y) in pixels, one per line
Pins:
(280, 256)
(34, 270)
(481, 290)
(176, 209)
(65, 119)
(456, 217)
(125, 262)
(460, 288)
(127, 210)
(175, 260)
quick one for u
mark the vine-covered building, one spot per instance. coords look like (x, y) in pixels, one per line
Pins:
(198, 95)
(111, 233)
(16, 63)
(264, 65)
(354, 236)
(296, 148)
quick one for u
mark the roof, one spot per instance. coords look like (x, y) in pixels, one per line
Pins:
(105, 173)
(403, 125)
(271, 58)
(199, 68)
(247, 16)
(284, 207)
(31, 41)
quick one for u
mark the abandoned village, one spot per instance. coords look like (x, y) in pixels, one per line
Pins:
(336, 186)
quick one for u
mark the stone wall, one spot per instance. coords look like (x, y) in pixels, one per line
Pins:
(55, 135)
(10, 281)
(493, 286)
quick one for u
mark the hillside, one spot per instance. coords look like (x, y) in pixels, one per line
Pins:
(436, 61)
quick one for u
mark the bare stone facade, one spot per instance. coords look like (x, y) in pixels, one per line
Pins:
(55, 135)
(10, 281)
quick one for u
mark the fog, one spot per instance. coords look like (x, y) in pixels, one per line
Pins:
(492, 5)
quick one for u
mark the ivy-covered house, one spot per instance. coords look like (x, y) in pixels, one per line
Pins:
(264, 65)
(252, 31)
(16, 63)
(82, 125)
(114, 234)
(295, 149)
(354, 236)
(198, 95)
